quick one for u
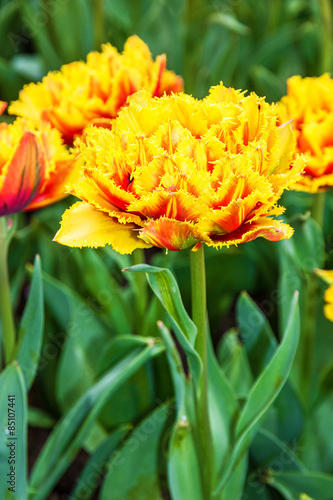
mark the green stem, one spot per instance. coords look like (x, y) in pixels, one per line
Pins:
(311, 306)
(327, 36)
(141, 288)
(199, 316)
(98, 23)
(6, 313)
(195, 18)
(318, 208)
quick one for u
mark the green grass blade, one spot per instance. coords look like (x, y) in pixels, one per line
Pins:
(71, 431)
(13, 441)
(31, 328)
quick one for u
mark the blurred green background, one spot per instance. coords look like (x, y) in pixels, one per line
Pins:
(249, 44)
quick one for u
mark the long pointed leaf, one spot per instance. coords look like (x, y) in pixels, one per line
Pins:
(13, 435)
(314, 484)
(183, 464)
(264, 391)
(31, 327)
(223, 409)
(71, 431)
(134, 470)
(166, 289)
(94, 468)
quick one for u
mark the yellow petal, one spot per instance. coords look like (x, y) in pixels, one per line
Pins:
(328, 308)
(326, 275)
(84, 226)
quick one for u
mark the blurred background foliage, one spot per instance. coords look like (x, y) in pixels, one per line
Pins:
(254, 45)
(249, 44)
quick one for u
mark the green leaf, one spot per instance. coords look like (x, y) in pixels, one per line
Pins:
(287, 416)
(266, 79)
(256, 333)
(314, 484)
(95, 467)
(95, 437)
(133, 472)
(39, 418)
(136, 397)
(71, 431)
(154, 313)
(59, 300)
(256, 490)
(298, 259)
(260, 343)
(8, 15)
(233, 359)
(326, 383)
(13, 447)
(306, 248)
(72, 40)
(85, 340)
(118, 14)
(223, 409)
(183, 465)
(38, 31)
(269, 450)
(235, 484)
(117, 348)
(166, 289)
(229, 22)
(105, 289)
(315, 449)
(29, 66)
(10, 81)
(264, 391)
(290, 280)
(31, 328)
(274, 376)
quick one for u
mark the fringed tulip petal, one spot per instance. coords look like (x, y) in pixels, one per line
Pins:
(85, 226)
